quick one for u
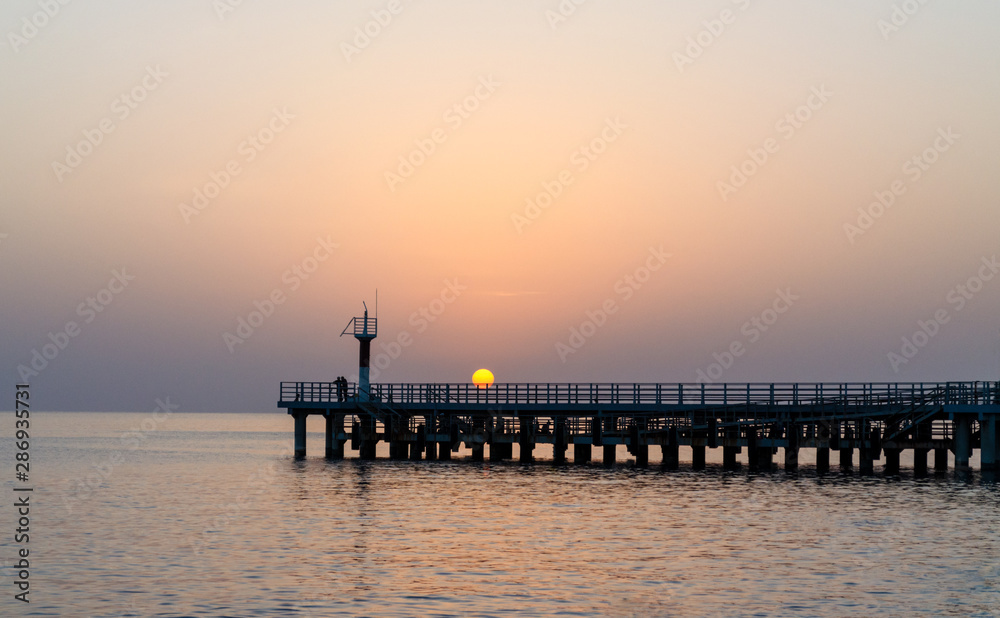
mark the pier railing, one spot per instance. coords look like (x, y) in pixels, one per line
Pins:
(725, 394)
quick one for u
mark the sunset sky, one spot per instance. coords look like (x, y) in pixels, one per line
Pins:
(609, 191)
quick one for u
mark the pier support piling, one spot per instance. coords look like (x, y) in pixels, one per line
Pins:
(988, 443)
(527, 440)
(729, 461)
(822, 460)
(698, 457)
(300, 434)
(892, 461)
(671, 456)
(791, 459)
(846, 458)
(581, 453)
(940, 460)
(963, 442)
(920, 462)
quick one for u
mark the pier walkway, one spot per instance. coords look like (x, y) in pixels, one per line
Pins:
(878, 420)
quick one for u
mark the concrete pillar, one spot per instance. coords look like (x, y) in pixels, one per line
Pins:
(478, 433)
(417, 446)
(919, 462)
(641, 455)
(581, 453)
(559, 441)
(698, 457)
(940, 460)
(444, 451)
(729, 461)
(300, 433)
(334, 427)
(671, 456)
(866, 465)
(610, 454)
(765, 455)
(791, 459)
(892, 461)
(963, 442)
(822, 460)
(369, 437)
(526, 439)
(846, 457)
(989, 437)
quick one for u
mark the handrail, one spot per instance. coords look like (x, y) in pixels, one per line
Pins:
(772, 395)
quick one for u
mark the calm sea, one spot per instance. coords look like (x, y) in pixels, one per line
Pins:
(208, 515)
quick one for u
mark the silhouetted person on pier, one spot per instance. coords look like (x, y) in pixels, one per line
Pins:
(341, 383)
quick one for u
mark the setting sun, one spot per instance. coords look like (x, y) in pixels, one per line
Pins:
(483, 378)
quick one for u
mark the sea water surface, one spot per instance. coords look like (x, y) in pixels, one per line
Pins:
(209, 515)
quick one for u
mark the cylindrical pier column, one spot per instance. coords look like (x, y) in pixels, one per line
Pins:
(846, 457)
(920, 462)
(330, 451)
(892, 461)
(526, 439)
(765, 458)
(671, 456)
(610, 450)
(963, 442)
(444, 451)
(334, 427)
(940, 460)
(369, 437)
(582, 453)
(300, 433)
(791, 459)
(989, 437)
(822, 460)
(610, 454)
(641, 455)
(729, 457)
(559, 444)
(478, 438)
(698, 457)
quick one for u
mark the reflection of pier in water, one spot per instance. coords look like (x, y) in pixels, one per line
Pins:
(433, 421)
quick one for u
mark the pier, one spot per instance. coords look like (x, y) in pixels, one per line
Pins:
(875, 421)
